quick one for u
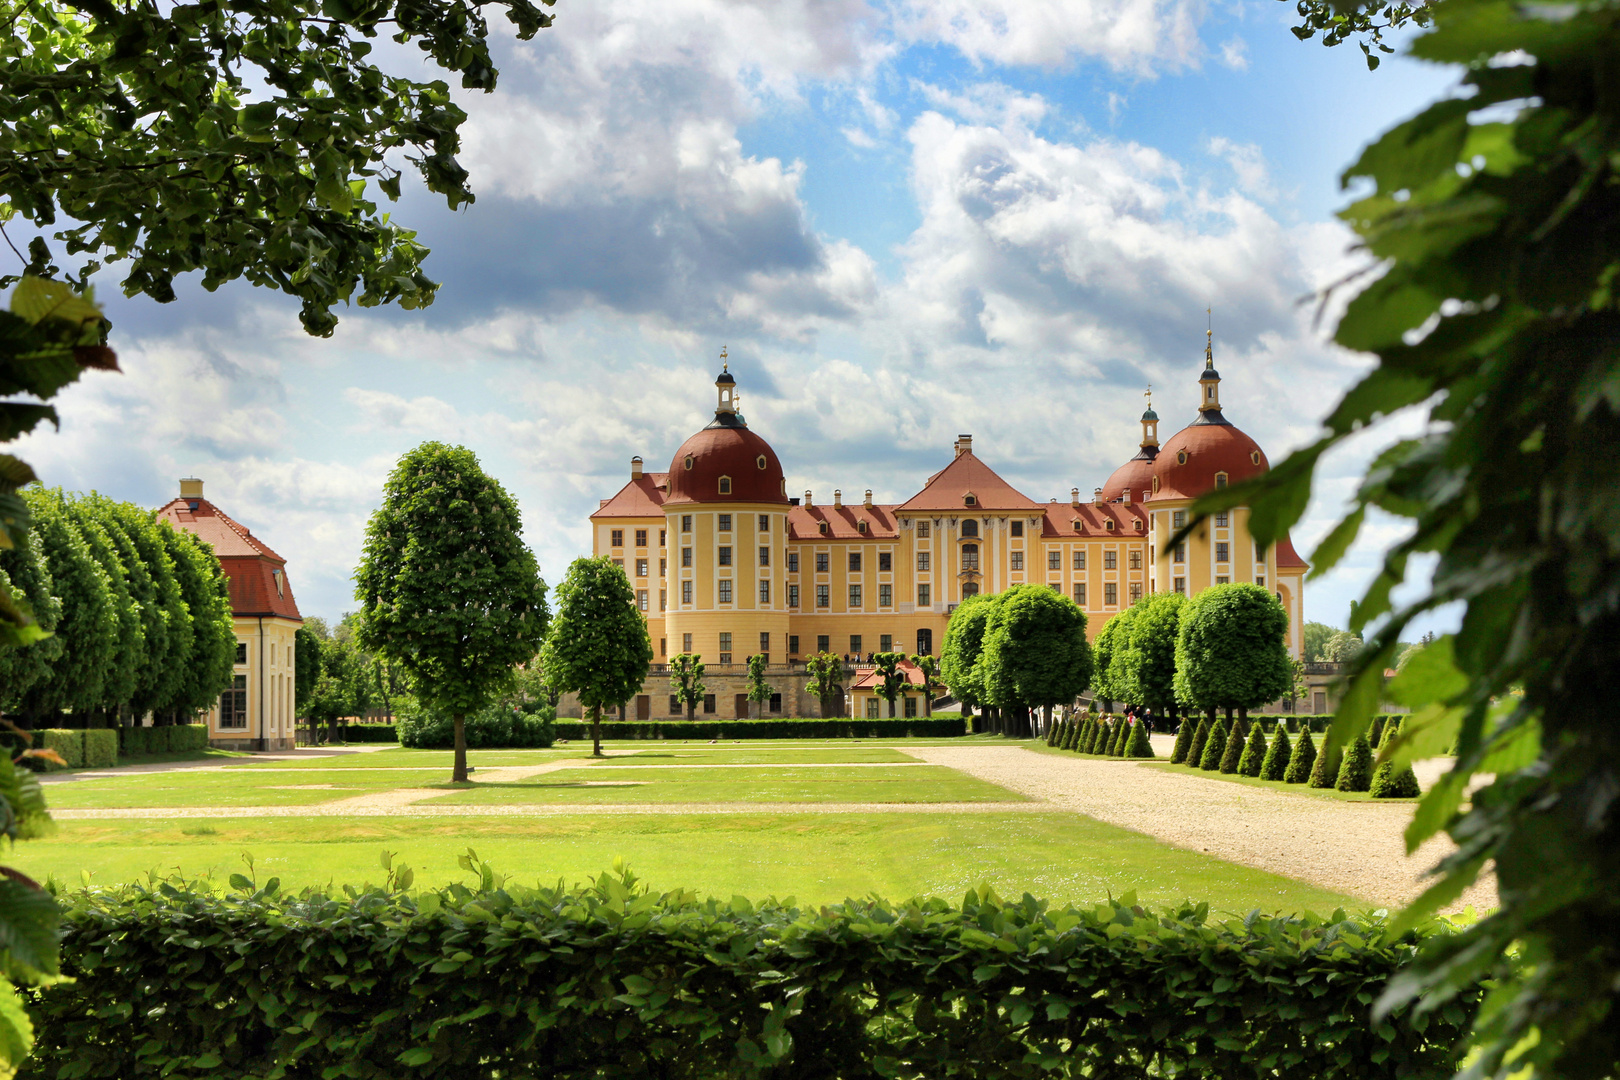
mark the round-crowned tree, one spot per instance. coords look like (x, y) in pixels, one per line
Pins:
(1035, 651)
(88, 628)
(163, 610)
(598, 647)
(447, 588)
(959, 653)
(1147, 660)
(1110, 642)
(1230, 651)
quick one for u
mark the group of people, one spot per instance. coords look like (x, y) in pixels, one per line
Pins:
(1132, 716)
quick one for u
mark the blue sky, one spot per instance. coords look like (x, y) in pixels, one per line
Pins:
(904, 220)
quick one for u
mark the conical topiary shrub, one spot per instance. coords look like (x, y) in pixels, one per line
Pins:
(1301, 760)
(1254, 752)
(1214, 746)
(1140, 745)
(1083, 736)
(1090, 739)
(1355, 771)
(1195, 749)
(1116, 742)
(1184, 739)
(1066, 733)
(1125, 736)
(1052, 731)
(1232, 752)
(1389, 782)
(1325, 773)
(1278, 756)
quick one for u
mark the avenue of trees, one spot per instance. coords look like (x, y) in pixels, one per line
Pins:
(137, 613)
(1012, 652)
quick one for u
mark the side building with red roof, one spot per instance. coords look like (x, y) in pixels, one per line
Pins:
(256, 712)
(725, 565)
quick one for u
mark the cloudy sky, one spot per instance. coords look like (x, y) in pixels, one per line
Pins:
(904, 220)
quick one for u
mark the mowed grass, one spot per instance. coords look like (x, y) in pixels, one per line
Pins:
(781, 784)
(243, 786)
(816, 858)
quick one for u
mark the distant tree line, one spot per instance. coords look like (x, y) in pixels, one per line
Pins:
(138, 614)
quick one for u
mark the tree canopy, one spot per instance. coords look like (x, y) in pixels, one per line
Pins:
(447, 589)
(1147, 660)
(1035, 650)
(1229, 648)
(239, 139)
(598, 649)
(959, 653)
(1111, 641)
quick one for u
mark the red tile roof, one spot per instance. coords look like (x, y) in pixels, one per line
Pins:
(257, 575)
(947, 489)
(843, 522)
(869, 678)
(637, 499)
(1288, 558)
(1061, 520)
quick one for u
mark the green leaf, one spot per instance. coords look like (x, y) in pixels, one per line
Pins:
(16, 1029)
(1337, 542)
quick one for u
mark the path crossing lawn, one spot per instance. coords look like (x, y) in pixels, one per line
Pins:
(818, 858)
(862, 783)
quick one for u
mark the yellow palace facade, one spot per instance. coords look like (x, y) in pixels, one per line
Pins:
(725, 564)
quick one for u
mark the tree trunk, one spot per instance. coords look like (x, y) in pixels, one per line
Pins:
(458, 775)
(596, 731)
(928, 701)
(691, 711)
(1243, 714)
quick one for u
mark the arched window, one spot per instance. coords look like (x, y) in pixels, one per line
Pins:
(970, 588)
(1220, 479)
(688, 461)
(725, 485)
(760, 461)
(970, 527)
(1254, 456)
(970, 556)
(1155, 484)
(1181, 457)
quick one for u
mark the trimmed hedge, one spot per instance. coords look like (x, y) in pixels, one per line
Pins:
(497, 727)
(171, 739)
(68, 743)
(370, 733)
(100, 748)
(610, 981)
(920, 727)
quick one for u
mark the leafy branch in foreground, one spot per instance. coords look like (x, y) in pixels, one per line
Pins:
(1495, 219)
(240, 138)
(1337, 21)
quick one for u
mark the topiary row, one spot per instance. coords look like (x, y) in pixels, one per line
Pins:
(1220, 746)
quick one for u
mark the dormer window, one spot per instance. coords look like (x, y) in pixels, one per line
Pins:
(276, 576)
(970, 500)
(1181, 457)
(1138, 524)
(725, 485)
(1109, 524)
(861, 526)
(1220, 479)
(1155, 484)
(1254, 456)
(762, 463)
(1076, 523)
(688, 462)
(823, 527)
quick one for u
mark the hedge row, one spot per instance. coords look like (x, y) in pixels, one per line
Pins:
(80, 748)
(610, 981)
(370, 733)
(899, 728)
(172, 739)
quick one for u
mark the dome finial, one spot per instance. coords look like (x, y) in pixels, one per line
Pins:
(1209, 338)
(725, 365)
(1150, 421)
(1209, 383)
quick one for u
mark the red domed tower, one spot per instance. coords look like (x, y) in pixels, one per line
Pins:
(726, 515)
(1132, 482)
(1207, 454)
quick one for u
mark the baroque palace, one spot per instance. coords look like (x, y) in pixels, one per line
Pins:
(725, 564)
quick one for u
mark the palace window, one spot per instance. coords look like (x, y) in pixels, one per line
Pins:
(970, 556)
(970, 500)
(885, 643)
(1080, 593)
(1221, 519)
(821, 526)
(641, 568)
(970, 527)
(793, 644)
(793, 596)
(689, 462)
(1018, 560)
(1220, 479)
(1054, 560)
(616, 538)
(823, 643)
(725, 485)
(1181, 585)
(1018, 528)
(1135, 591)
(922, 530)
(1110, 560)
(854, 562)
(241, 652)
(619, 563)
(1181, 457)
(1222, 579)
(725, 556)
(686, 643)
(924, 596)
(822, 560)
(725, 590)
(641, 538)
(663, 599)
(764, 523)
(823, 596)
(855, 645)
(663, 537)
(641, 599)
(1135, 560)
(663, 567)
(686, 592)
(1109, 524)
(1260, 581)
(674, 705)
(233, 704)
(1223, 552)
(765, 592)
(1180, 553)
(885, 596)
(1178, 519)
(725, 648)
(1110, 594)
(854, 596)
(1259, 553)
(925, 642)
(686, 523)
(686, 557)
(860, 526)
(764, 556)
(885, 562)
(793, 562)
(1080, 560)
(663, 646)
(970, 588)
(725, 522)
(761, 464)
(922, 561)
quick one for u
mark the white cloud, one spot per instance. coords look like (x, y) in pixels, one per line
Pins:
(1248, 163)
(1139, 36)
(1235, 53)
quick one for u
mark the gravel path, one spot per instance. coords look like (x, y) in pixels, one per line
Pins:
(1354, 848)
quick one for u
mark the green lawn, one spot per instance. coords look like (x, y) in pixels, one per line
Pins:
(606, 784)
(818, 858)
(731, 754)
(1275, 785)
(243, 786)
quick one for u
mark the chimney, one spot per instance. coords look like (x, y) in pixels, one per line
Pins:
(635, 468)
(190, 488)
(964, 443)
(1074, 496)
(868, 503)
(1097, 496)
(808, 501)
(838, 498)
(1126, 497)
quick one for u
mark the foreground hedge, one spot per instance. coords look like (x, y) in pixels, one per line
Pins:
(610, 981)
(919, 727)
